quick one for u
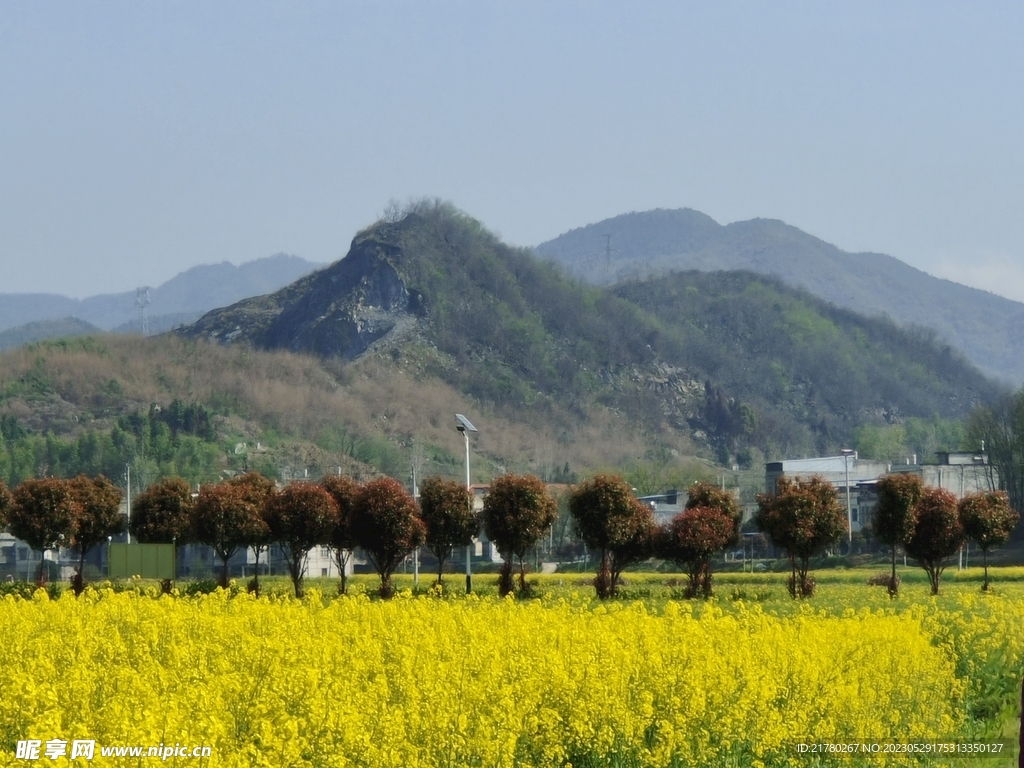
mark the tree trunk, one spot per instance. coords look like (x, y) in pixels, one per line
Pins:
(341, 560)
(984, 553)
(387, 589)
(894, 586)
(224, 573)
(505, 584)
(78, 580)
(705, 584)
(440, 571)
(253, 587)
(604, 583)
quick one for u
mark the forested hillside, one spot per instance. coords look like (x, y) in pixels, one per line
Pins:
(166, 406)
(723, 363)
(985, 327)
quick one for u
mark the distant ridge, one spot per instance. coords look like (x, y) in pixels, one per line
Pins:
(988, 329)
(183, 298)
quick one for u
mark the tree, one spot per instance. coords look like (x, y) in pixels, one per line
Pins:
(610, 519)
(896, 515)
(692, 538)
(446, 507)
(988, 519)
(1000, 428)
(99, 516)
(703, 494)
(301, 516)
(938, 533)
(802, 517)
(343, 490)
(162, 513)
(257, 490)
(224, 518)
(517, 511)
(386, 523)
(6, 500)
(43, 515)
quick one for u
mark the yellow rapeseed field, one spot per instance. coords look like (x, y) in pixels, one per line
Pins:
(428, 681)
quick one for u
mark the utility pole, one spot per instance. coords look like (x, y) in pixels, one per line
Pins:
(142, 301)
(128, 500)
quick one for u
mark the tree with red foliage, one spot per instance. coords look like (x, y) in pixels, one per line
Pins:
(518, 510)
(161, 514)
(43, 515)
(343, 490)
(225, 519)
(701, 494)
(896, 515)
(99, 516)
(988, 519)
(692, 538)
(257, 490)
(301, 516)
(447, 509)
(611, 520)
(802, 517)
(938, 533)
(387, 525)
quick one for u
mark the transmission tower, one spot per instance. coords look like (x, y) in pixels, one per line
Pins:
(142, 301)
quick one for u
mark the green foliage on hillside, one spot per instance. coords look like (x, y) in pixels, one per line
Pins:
(146, 443)
(45, 329)
(519, 329)
(788, 372)
(94, 405)
(780, 370)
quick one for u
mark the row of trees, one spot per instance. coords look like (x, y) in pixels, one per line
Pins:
(380, 517)
(804, 517)
(247, 511)
(931, 524)
(48, 513)
(613, 522)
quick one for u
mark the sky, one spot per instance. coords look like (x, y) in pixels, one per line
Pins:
(140, 139)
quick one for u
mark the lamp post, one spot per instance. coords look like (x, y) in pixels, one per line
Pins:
(847, 453)
(465, 426)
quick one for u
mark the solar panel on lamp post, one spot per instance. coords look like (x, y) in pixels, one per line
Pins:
(465, 426)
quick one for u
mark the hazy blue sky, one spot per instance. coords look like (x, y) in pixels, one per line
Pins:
(138, 139)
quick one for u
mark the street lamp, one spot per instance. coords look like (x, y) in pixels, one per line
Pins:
(465, 426)
(847, 453)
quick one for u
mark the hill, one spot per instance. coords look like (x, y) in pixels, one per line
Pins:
(164, 405)
(985, 327)
(724, 363)
(67, 328)
(181, 299)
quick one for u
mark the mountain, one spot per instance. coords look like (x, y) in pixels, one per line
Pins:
(181, 299)
(67, 328)
(723, 362)
(987, 328)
